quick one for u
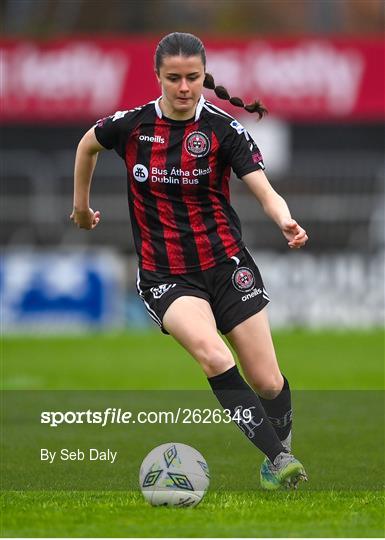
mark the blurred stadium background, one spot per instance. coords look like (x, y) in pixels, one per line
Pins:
(318, 65)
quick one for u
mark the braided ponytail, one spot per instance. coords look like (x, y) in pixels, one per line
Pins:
(222, 93)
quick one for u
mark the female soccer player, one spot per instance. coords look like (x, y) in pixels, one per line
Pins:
(195, 275)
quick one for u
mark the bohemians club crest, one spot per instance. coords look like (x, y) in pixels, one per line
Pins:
(197, 144)
(243, 279)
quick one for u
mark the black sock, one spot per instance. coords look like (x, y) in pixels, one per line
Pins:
(279, 411)
(235, 394)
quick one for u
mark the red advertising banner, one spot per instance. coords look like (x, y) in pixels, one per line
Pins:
(305, 79)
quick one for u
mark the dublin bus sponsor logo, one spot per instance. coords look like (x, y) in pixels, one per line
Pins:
(140, 172)
(243, 279)
(197, 144)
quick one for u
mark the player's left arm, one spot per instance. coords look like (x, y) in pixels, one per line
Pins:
(276, 208)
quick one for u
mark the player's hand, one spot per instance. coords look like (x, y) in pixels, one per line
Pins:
(85, 219)
(295, 234)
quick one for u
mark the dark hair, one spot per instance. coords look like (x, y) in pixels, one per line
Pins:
(180, 43)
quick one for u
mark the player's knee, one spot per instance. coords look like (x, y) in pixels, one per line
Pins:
(213, 359)
(268, 386)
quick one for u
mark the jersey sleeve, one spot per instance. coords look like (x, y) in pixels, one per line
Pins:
(113, 131)
(241, 150)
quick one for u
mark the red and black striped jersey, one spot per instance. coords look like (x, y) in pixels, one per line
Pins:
(178, 183)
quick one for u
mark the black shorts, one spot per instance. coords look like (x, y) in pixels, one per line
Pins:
(234, 290)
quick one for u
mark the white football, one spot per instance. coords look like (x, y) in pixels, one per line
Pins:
(174, 474)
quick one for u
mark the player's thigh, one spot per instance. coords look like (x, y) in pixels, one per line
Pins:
(252, 341)
(191, 322)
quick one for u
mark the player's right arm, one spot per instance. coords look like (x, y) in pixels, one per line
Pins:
(86, 156)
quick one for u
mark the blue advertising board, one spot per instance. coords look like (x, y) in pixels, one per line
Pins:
(61, 291)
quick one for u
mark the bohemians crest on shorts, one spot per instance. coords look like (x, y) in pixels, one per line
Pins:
(197, 144)
(243, 279)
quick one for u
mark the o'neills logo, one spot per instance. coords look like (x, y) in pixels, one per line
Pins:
(197, 144)
(243, 279)
(147, 138)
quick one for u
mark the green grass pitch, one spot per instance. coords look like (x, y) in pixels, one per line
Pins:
(316, 363)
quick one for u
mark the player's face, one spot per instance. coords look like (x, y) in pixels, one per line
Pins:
(181, 79)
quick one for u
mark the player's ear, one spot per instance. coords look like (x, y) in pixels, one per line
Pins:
(157, 76)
